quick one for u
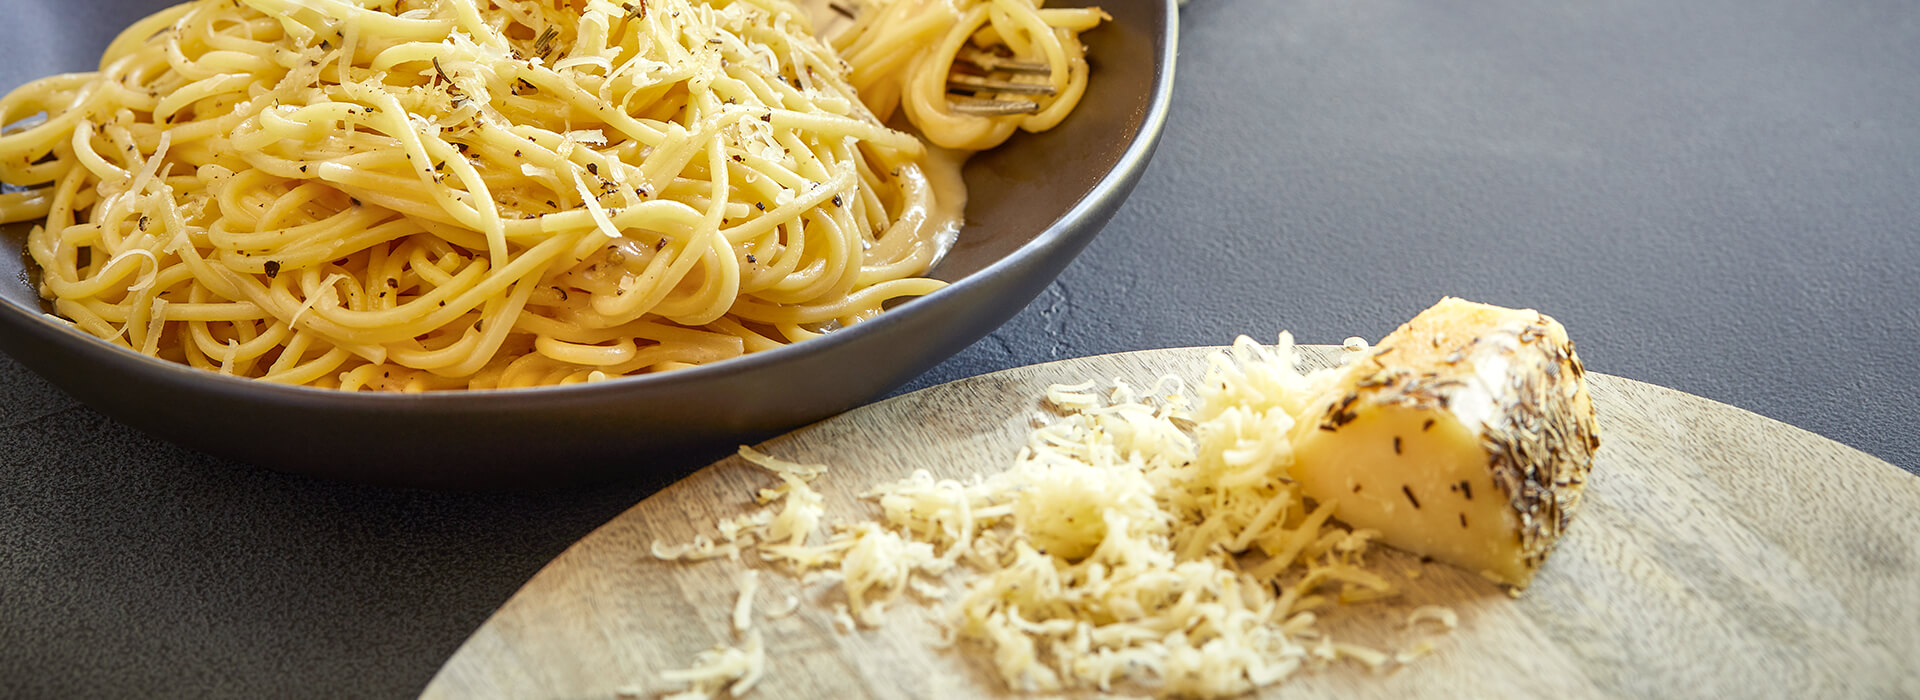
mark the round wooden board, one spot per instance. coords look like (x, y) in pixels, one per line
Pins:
(1718, 554)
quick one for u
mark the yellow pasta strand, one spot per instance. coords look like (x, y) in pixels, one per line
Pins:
(406, 195)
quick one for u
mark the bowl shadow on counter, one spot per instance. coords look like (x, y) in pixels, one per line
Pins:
(1033, 204)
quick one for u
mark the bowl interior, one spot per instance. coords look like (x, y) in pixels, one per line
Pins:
(1032, 205)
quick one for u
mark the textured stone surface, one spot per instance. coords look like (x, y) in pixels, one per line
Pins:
(1713, 195)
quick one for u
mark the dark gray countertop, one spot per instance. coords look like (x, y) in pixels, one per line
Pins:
(1719, 196)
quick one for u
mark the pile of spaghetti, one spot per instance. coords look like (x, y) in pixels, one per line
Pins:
(443, 194)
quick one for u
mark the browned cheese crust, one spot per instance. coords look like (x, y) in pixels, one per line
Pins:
(1541, 440)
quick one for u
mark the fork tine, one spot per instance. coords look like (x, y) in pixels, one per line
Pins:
(991, 108)
(989, 62)
(979, 84)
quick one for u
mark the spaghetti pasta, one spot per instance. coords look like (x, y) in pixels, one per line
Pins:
(444, 194)
(902, 52)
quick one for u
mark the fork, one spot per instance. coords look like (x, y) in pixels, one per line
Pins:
(964, 89)
(974, 75)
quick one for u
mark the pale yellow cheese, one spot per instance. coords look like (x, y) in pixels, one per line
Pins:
(1136, 540)
(1465, 435)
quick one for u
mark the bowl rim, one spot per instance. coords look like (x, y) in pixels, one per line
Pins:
(1117, 182)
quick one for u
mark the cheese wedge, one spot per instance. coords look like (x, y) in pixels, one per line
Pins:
(1466, 435)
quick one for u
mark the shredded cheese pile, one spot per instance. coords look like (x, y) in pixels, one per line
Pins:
(1135, 541)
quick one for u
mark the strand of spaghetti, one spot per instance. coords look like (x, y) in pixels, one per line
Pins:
(425, 149)
(925, 94)
(246, 350)
(648, 330)
(150, 327)
(639, 294)
(1072, 19)
(305, 18)
(63, 98)
(1029, 35)
(750, 340)
(324, 240)
(659, 356)
(409, 320)
(483, 343)
(378, 326)
(904, 239)
(348, 188)
(89, 158)
(595, 355)
(25, 206)
(211, 311)
(143, 31)
(869, 298)
(296, 208)
(49, 247)
(1068, 71)
(848, 247)
(809, 200)
(219, 84)
(293, 349)
(722, 279)
(833, 125)
(879, 54)
(311, 370)
(547, 80)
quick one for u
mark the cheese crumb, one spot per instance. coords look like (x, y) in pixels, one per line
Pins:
(1137, 539)
(787, 607)
(1446, 618)
(722, 668)
(743, 608)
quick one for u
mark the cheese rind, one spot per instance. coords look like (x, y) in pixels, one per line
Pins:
(1466, 435)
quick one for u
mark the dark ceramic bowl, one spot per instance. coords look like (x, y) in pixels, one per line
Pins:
(1033, 204)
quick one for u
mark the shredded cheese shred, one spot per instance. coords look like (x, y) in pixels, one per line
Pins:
(1139, 540)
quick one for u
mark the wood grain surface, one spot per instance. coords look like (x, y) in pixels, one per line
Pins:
(1719, 554)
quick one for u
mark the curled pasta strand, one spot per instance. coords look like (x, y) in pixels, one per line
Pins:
(468, 194)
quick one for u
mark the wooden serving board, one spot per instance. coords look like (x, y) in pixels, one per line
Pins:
(1718, 554)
